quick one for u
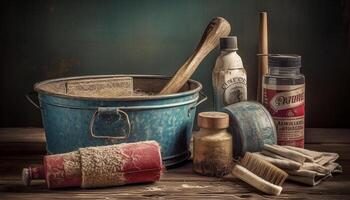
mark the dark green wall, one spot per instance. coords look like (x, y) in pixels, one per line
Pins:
(49, 39)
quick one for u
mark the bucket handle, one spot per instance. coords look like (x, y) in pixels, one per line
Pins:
(204, 98)
(110, 111)
(29, 96)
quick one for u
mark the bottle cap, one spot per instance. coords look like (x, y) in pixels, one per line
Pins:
(213, 120)
(228, 43)
(284, 60)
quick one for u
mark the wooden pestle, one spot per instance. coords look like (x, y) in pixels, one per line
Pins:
(218, 27)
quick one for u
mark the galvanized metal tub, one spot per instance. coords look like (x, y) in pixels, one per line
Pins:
(72, 122)
(251, 126)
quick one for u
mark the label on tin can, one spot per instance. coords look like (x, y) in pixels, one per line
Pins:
(286, 103)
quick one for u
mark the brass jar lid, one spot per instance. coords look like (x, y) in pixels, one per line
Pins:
(213, 120)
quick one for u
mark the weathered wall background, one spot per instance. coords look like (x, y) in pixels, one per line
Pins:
(49, 39)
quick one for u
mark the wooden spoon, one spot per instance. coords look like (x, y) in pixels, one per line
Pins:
(218, 27)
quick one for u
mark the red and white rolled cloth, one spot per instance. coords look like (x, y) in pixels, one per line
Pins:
(101, 166)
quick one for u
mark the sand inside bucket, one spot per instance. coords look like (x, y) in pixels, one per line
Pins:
(109, 86)
(99, 88)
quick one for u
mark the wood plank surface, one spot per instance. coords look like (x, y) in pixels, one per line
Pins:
(177, 183)
(327, 136)
(18, 135)
(342, 149)
(181, 183)
(312, 135)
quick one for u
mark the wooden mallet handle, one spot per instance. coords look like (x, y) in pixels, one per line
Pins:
(218, 27)
(263, 53)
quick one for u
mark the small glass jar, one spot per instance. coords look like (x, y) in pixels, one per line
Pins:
(212, 145)
(284, 97)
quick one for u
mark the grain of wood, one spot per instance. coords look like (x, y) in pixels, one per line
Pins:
(328, 136)
(18, 148)
(312, 135)
(173, 181)
(173, 190)
(29, 134)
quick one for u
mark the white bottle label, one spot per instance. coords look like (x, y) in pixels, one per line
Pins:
(235, 90)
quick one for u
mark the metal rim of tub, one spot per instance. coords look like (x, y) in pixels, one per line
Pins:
(127, 98)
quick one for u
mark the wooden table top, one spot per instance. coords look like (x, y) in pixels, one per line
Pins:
(22, 146)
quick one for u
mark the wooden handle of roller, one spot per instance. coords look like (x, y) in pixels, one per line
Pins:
(263, 51)
(217, 28)
(255, 181)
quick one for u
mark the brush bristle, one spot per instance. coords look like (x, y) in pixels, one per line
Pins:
(263, 169)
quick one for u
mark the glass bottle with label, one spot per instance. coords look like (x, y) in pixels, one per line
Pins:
(284, 96)
(229, 77)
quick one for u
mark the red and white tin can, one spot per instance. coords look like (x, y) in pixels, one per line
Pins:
(286, 104)
(284, 98)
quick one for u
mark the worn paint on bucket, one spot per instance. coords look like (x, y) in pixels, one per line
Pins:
(251, 126)
(72, 122)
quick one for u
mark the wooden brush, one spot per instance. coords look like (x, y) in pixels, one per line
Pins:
(260, 174)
